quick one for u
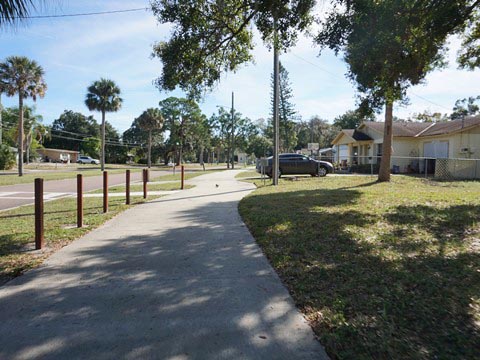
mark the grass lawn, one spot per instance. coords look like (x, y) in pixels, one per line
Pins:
(248, 174)
(14, 179)
(150, 187)
(188, 175)
(17, 233)
(388, 270)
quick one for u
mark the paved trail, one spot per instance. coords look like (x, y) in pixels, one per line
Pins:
(177, 278)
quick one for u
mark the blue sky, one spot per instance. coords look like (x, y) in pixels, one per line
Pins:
(75, 51)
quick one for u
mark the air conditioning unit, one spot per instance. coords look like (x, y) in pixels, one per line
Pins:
(464, 150)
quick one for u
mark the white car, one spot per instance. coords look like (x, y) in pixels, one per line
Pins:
(87, 160)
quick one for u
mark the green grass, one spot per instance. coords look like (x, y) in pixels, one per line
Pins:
(188, 175)
(381, 270)
(150, 187)
(52, 175)
(17, 234)
(248, 174)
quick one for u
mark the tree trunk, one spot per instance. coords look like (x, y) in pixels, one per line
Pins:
(200, 158)
(102, 146)
(228, 157)
(384, 172)
(149, 157)
(180, 155)
(27, 148)
(20, 134)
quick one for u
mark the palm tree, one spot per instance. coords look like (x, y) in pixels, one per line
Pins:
(150, 120)
(103, 95)
(12, 10)
(22, 76)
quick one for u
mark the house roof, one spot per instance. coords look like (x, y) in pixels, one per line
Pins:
(442, 128)
(357, 135)
(400, 128)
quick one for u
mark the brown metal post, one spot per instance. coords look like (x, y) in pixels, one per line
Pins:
(79, 200)
(145, 183)
(39, 239)
(105, 191)
(127, 188)
(183, 178)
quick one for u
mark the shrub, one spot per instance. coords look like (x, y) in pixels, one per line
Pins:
(7, 157)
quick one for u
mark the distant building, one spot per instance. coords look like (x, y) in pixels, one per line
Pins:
(456, 139)
(59, 155)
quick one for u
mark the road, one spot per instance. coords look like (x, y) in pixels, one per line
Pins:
(12, 196)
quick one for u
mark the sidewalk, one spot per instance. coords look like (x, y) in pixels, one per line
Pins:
(177, 278)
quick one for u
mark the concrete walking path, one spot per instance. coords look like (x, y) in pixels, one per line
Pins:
(176, 278)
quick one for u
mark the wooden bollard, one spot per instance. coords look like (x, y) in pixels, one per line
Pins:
(105, 191)
(145, 183)
(79, 200)
(183, 178)
(39, 239)
(127, 188)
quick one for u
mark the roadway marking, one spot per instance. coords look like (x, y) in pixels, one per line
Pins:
(23, 195)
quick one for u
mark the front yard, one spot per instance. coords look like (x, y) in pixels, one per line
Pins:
(379, 270)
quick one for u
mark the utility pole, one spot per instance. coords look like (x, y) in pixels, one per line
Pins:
(233, 133)
(276, 163)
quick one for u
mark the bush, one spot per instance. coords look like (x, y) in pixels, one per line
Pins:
(364, 168)
(7, 157)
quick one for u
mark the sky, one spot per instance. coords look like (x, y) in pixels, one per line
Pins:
(75, 51)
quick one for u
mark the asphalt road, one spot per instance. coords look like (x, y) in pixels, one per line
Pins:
(12, 196)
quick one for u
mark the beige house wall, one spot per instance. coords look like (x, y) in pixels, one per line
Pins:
(456, 142)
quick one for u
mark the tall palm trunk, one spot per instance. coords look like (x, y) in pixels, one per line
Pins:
(384, 172)
(20, 134)
(102, 155)
(149, 157)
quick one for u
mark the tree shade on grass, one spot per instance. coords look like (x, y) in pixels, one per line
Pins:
(380, 270)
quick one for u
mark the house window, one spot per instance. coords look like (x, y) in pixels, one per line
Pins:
(379, 150)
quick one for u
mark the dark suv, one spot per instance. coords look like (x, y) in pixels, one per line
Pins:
(297, 164)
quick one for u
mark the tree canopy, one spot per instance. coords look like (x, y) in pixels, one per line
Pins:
(391, 45)
(23, 77)
(11, 11)
(103, 95)
(469, 55)
(213, 37)
(149, 121)
(181, 118)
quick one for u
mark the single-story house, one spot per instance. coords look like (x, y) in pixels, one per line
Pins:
(414, 144)
(59, 155)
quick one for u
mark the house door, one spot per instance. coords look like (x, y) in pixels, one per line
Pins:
(434, 150)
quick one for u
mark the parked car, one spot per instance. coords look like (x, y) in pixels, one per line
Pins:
(87, 160)
(290, 164)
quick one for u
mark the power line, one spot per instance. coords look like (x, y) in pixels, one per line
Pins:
(81, 14)
(431, 102)
(333, 74)
(107, 140)
(106, 143)
(317, 66)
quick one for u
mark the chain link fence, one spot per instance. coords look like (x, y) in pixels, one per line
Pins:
(443, 169)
